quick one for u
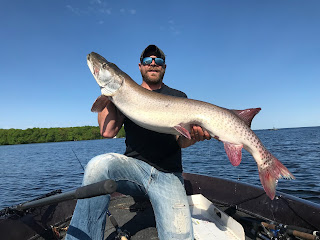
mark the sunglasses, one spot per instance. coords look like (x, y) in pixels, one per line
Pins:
(148, 61)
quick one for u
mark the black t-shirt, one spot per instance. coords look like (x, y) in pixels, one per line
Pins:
(157, 149)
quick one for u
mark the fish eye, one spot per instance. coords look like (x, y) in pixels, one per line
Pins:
(104, 65)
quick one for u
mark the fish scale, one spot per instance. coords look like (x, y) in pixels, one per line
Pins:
(174, 115)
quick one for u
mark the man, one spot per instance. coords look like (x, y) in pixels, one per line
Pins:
(151, 165)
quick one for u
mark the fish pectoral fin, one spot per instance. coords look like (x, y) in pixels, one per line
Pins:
(100, 103)
(247, 115)
(184, 132)
(234, 152)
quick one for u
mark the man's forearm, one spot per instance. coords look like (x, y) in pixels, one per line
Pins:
(184, 142)
(110, 121)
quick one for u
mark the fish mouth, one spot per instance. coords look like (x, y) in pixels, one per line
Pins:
(93, 68)
(96, 71)
(94, 63)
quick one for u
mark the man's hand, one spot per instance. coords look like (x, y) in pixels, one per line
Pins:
(197, 134)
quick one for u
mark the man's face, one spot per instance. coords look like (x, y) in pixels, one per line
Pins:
(152, 73)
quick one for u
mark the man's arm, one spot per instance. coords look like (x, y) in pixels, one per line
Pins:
(197, 134)
(110, 121)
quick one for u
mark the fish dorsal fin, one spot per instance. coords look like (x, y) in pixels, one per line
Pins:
(100, 103)
(234, 152)
(247, 115)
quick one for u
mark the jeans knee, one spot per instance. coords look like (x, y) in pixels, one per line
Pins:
(97, 168)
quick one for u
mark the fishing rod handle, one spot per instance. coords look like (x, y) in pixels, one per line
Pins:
(295, 233)
(96, 189)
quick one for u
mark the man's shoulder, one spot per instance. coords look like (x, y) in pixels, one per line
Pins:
(172, 92)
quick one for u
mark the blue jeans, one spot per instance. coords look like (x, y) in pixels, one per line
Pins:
(135, 178)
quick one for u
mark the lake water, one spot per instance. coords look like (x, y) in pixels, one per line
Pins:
(30, 170)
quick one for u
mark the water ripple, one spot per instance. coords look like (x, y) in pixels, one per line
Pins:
(28, 171)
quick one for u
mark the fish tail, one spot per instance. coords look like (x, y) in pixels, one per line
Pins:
(270, 172)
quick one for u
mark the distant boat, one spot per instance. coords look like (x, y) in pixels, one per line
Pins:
(273, 129)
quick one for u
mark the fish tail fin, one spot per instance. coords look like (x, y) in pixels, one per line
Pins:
(269, 174)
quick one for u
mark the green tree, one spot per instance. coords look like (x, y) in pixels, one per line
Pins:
(121, 133)
(40, 135)
(3, 137)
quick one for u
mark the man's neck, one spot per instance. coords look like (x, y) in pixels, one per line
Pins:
(151, 86)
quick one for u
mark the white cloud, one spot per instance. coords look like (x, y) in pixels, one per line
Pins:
(96, 2)
(96, 7)
(106, 11)
(74, 10)
(128, 11)
(173, 28)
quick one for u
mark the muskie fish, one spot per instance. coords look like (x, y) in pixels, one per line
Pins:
(173, 115)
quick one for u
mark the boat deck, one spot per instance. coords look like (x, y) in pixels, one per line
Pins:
(245, 203)
(133, 215)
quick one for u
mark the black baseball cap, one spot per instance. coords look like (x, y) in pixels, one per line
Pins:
(152, 50)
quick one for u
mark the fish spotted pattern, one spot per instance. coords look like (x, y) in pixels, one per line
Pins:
(173, 115)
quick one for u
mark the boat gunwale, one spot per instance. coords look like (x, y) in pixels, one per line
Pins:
(232, 195)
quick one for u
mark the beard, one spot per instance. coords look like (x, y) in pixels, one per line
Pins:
(152, 77)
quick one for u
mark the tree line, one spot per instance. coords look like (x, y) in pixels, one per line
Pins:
(42, 135)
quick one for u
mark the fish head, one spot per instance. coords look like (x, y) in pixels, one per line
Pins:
(107, 74)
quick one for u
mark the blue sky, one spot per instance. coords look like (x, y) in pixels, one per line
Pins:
(233, 53)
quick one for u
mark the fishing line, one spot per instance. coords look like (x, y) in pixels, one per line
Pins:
(77, 159)
(121, 234)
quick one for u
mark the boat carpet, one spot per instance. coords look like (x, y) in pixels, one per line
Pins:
(134, 215)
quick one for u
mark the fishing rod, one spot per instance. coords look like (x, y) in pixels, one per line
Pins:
(294, 231)
(280, 231)
(121, 234)
(88, 191)
(77, 159)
